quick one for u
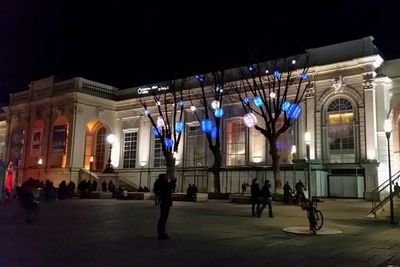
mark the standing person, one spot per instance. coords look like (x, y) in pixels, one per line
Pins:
(255, 197)
(104, 186)
(94, 185)
(287, 190)
(156, 191)
(266, 199)
(27, 199)
(300, 197)
(165, 196)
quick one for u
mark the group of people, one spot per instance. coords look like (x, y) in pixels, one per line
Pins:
(290, 197)
(260, 198)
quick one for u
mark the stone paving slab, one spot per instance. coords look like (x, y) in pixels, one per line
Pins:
(306, 231)
(108, 232)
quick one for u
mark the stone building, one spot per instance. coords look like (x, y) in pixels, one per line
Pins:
(65, 123)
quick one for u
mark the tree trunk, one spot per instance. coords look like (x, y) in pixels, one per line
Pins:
(273, 151)
(170, 162)
(216, 170)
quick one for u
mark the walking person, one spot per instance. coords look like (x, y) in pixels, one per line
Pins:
(255, 197)
(266, 199)
(164, 194)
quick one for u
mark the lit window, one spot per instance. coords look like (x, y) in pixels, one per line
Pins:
(100, 148)
(130, 144)
(159, 160)
(235, 142)
(195, 146)
(341, 131)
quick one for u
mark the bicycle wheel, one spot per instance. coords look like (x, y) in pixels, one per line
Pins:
(319, 219)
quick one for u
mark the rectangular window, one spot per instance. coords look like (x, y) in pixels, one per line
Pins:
(235, 142)
(130, 145)
(195, 146)
(159, 160)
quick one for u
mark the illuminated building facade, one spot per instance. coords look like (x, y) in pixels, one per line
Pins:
(66, 122)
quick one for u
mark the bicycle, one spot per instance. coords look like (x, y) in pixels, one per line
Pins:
(314, 215)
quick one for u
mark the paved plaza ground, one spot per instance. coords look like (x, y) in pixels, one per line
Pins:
(216, 233)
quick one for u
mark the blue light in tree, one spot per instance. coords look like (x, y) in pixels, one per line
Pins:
(156, 132)
(303, 76)
(277, 74)
(285, 106)
(181, 103)
(217, 88)
(246, 99)
(206, 125)
(168, 142)
(199, 78)
(146, 112)
(251, 68)
(179, 126)
(219, 112)
(258, 101)
(294, 111)
(214, 132)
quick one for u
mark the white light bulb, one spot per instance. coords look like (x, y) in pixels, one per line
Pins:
(193, 108)
(158, 103)
(293, 61)
(272, 95)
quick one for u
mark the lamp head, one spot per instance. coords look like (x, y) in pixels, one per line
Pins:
(307, 138)
(388, 126)
(40, 162)
(111, 138)
(91, 159)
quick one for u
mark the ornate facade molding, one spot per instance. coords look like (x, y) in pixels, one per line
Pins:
(99, 111)
(338, 84)
(369, 80)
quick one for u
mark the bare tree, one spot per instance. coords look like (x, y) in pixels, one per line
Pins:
(212, 91)
(276, 89)
(168, 125)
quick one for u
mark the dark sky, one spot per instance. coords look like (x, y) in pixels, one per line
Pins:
(131, 44)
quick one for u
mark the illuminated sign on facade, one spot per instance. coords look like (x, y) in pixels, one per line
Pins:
(146, 90)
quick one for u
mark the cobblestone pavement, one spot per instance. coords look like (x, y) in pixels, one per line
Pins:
(122, 233)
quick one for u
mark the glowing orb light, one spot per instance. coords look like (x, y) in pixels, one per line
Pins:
(294, 111)
(179, 126)
(285, 106)
(156, 132)
(219, 112)
(160, 122)
(257, 101)
(168, 142)
(250, 120)
(206, 125)
(215, 104)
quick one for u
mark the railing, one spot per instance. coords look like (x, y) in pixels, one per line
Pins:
(376, 201)
(20, 97)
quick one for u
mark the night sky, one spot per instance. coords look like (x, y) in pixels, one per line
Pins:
(125, 44)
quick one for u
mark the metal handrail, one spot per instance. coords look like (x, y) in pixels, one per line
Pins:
(378, 190)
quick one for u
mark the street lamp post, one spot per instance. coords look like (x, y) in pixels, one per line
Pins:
(307, 139)
(142, 164)
(388, 131)
(40, 162)
(90, 166)
(109, 168)
(294, 150)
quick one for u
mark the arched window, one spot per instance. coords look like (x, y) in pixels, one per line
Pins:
(340, 132)
(100, 148)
